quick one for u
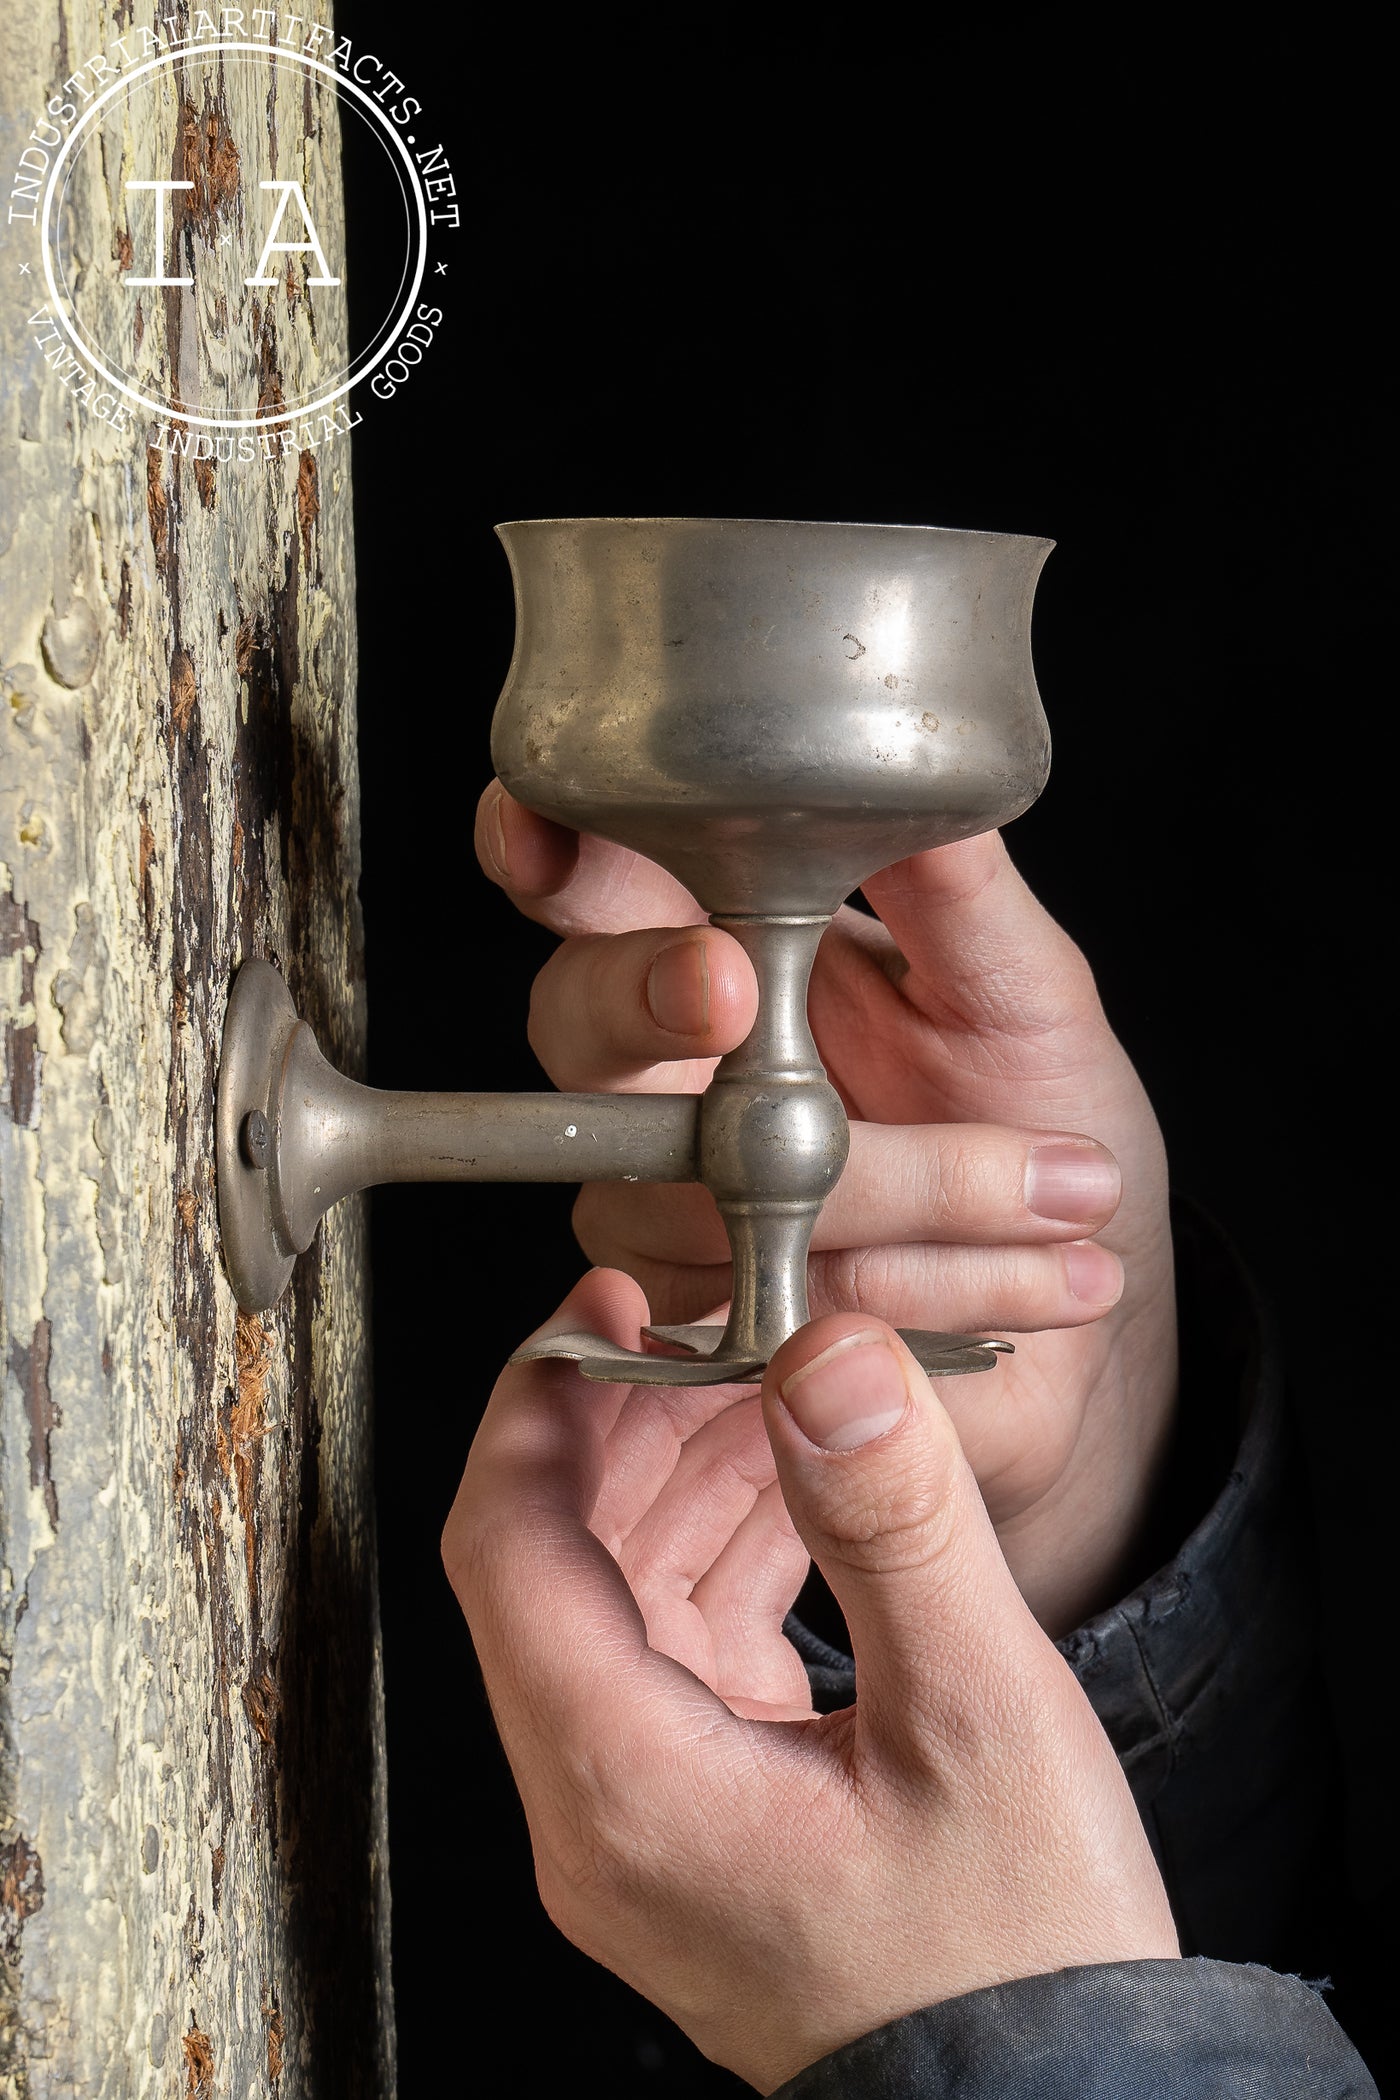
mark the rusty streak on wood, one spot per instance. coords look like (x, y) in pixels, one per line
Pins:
(21, 1891)
(198, 2052)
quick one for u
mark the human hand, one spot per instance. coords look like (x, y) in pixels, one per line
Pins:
(964, 1035)
(780, 1883)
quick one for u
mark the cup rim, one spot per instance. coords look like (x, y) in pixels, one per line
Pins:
(793, 524)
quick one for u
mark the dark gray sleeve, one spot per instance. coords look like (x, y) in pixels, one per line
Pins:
(1147, 2030)
(1206, 1678)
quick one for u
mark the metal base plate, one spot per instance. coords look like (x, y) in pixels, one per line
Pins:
(942, 1356)
(257, 1025)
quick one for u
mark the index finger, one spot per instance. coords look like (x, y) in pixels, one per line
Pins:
(570, 881)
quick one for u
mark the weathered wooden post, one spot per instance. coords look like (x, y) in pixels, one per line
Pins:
(193, 1869)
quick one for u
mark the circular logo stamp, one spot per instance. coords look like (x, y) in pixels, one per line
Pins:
(214, 167)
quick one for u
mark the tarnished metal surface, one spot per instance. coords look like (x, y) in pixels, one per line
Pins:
(703, 1363)
(773, 711)
(328, 1137)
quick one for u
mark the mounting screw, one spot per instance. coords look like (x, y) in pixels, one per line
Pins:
(255, 1138)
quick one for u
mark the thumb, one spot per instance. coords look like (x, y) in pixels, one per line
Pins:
(887, 1506)
(977, 941)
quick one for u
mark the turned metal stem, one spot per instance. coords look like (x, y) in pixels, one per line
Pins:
(773, 1137)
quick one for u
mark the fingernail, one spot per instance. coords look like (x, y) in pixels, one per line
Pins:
(678, 988)
(1072, 1182)
(496, 833)
(850, 1394)
(1095, 1275)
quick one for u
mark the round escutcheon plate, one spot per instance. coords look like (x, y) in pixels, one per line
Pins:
(257, 1026)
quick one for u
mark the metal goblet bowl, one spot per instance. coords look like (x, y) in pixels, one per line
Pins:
(772, 711)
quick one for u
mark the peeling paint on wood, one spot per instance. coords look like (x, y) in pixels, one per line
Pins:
(193, 1884)
(31, 1371)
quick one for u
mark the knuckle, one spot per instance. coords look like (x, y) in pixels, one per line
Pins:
(544, 1004)
(1068, 991)
(906, 1526)
(481, 834)
(457, 1545)
(830, 1277)
(468, 1548)
(537, 1030)
(565, 1006)
(899, 1534)
(1077, 975)
(581, 1880)
(1016, 1285)
(958, 1186)
(455, 1554)
(590, 1864)
(1049, 994)
(864, 1270)
(859, 1279)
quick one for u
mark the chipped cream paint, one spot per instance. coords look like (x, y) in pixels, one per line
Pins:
(193, 1897)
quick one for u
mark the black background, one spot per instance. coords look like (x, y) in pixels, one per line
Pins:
(1017, 279)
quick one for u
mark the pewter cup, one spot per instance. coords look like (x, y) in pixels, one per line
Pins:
(772, 711)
